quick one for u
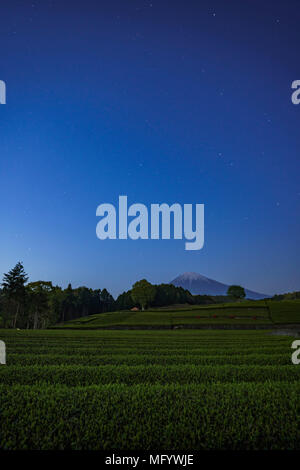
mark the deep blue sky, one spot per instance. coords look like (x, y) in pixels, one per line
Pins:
(165, 101)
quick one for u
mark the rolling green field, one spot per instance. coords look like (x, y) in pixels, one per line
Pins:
(143, 390)
(239, 313)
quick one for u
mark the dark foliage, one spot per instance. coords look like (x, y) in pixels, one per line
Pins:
(40, 304)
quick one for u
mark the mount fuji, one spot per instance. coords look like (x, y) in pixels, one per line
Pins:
(201, 285)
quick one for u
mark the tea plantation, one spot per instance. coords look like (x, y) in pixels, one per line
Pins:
(144, 390)
(245, 313)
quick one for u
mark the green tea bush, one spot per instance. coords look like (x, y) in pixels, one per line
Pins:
(186, 417)
(143, 390)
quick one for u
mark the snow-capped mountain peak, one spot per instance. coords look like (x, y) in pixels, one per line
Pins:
(198, 284)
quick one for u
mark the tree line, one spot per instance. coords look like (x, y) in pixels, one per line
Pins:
(40, 304)
(288, 296)
(144, 294)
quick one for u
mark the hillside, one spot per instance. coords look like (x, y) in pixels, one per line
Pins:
(235, 315)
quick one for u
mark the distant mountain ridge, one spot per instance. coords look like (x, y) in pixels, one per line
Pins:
(198, 284)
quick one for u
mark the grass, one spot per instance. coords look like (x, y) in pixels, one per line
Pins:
(238, 313)
(285, 311)
(143, 390)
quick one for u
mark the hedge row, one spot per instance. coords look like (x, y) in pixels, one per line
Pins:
(130, 375)
(191, 417)
(148, 359)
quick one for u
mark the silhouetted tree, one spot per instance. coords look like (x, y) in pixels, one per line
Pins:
(14, 290)
(38, 300)
(124, 301)
(237, 292)
(143, 293)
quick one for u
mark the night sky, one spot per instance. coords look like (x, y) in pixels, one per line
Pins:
(163, 101)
